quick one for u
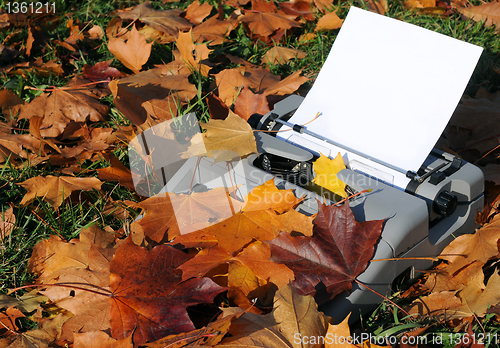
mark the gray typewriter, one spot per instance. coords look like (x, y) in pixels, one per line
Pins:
(439, 203)
(384, 121)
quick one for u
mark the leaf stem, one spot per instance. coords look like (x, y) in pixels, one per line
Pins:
(384, 297)
(351, 196)
(110, 294)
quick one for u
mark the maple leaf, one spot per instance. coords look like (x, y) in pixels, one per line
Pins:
(8, 326)
(292, 314)
(326, 174)
(416, 4)
(84, 262)
(281, 55)
(213, 30)
(210, 335)
(7, 222)
(224, 139)
(328, 22)
(463, 251)
(240, 229)
(55, 190)
(249, 103)
(473, 300)
(133, 53)
(116, 172)
(184, 213)
(63, 107)
(100, 339)
(231, 81)
(334, 256)
(101, 71)
(254, 257)
(341, 332)
(489, 13)
(196, 13)
(298, 9)
(95, 33)
(189, 56)
(265, 24)
(149, 297)
(131, 92)
(268, 196)
(26, 303)
(96, 142)
(75, 33)
(167, 21)
(10, 104)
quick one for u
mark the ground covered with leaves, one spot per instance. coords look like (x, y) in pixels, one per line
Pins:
(83, 80)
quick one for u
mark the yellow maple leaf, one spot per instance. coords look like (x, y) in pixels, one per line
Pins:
(326, 174)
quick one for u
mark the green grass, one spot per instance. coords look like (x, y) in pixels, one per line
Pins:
(88, 208)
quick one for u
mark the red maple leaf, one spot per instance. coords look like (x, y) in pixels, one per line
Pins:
(149, 296)
(328, 262)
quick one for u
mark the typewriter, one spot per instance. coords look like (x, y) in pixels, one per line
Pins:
(426, 196)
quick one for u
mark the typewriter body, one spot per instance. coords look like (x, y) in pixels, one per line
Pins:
(420, 220)
(398, 110)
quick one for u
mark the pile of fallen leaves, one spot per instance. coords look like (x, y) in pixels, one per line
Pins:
(254, 279)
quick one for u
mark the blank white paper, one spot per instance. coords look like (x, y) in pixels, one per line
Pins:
(387, 89)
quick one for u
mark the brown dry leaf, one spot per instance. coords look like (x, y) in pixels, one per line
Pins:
(10, 104)
(265, 24)
(255, 257)
(61, 108)
(7, 222)
(298, 8)
(329, 21)
(190, 56)
(240, 229)
(292, 314)
(210, 335)
(101, 71)
(96, 33)
(288, 85)
(36, 38)
(96, 142)
(149, 299)
(329, 257)
(214, 31)
(55, 190)
(231, 81)
(161, 109)
(181, 214)
(116, 172)
(340, 333)
(75, 33)
(377, 6)
(464, 250)
(166, 21)
(489, 13)
(435, 304)
(249, 103)
(100, 339)
(281, 55)
(133, 53)
(8, 326)
(131, 92)
(224, 139)
(268, 196)
(196, 13)
(415, 4)
(473, 300)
